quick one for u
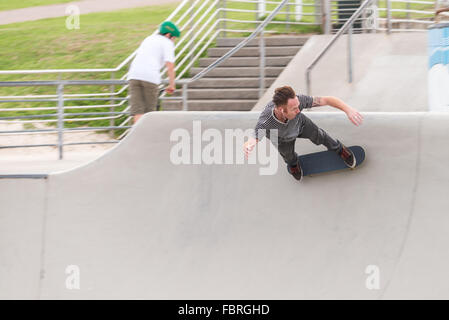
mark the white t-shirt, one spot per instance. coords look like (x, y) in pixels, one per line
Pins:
(151, 57)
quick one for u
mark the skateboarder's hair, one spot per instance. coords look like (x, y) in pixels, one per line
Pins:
(282, 94)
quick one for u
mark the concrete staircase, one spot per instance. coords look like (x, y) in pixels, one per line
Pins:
(234, 85)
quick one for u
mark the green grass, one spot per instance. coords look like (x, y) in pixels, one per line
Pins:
(104, 40)
(412, 6)
(12, 4)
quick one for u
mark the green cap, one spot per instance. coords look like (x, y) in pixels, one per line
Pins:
(171, 28)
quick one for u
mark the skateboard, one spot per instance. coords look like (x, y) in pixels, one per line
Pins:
(326, 161)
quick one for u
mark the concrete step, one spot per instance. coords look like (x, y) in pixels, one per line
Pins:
(227, 94)
(269, 41)
(254, 52)
(210, 105)
(230, 72)
(248, 61)
(222, 83)
(406, 25)
(234, 86)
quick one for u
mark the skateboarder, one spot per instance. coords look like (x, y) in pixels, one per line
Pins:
(284, 114)
(144, 74)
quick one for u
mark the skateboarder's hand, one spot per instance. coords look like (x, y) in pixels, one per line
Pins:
(249, 146)
(354, 116)
(170, 89)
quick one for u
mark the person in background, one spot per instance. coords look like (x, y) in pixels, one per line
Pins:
(145, 72)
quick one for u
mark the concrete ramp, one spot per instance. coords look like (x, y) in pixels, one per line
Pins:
(138, 226)
(389, 72)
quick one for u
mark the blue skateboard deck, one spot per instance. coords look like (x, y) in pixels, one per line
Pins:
(325, 161)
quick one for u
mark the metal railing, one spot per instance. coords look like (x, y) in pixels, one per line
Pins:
(346, 27)
(197, 21)
(115, 111)
(383, 15)
(201, 23)
(405, 15)
(244, 42)
(60, 117)
(226, 20)
(349, 28)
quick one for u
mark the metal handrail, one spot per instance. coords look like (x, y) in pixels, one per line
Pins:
(266, 11)
(60, 115)
(130, 57)
(385, 6)
(60, 84)
(215, 64)
(219, 61)
(190, 42)
(343, 29)
(213, 27)
(241, 44)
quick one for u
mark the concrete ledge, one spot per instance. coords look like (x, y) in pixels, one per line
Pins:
(239, 72)
(269, 41)
(248, 61)
(254, 52)
(230, 83)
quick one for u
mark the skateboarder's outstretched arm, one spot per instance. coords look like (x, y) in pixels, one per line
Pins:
(249, 146)
(258, 133)
(354, 116)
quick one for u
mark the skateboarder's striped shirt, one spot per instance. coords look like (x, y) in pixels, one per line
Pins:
(287, 131)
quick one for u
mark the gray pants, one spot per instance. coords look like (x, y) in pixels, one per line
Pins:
(309, 131)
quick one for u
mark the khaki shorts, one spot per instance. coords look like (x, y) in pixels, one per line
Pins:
(144, 96)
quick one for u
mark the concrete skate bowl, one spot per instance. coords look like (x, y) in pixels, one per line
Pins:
(138, 226)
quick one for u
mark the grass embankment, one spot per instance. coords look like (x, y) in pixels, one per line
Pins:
(104, 40)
